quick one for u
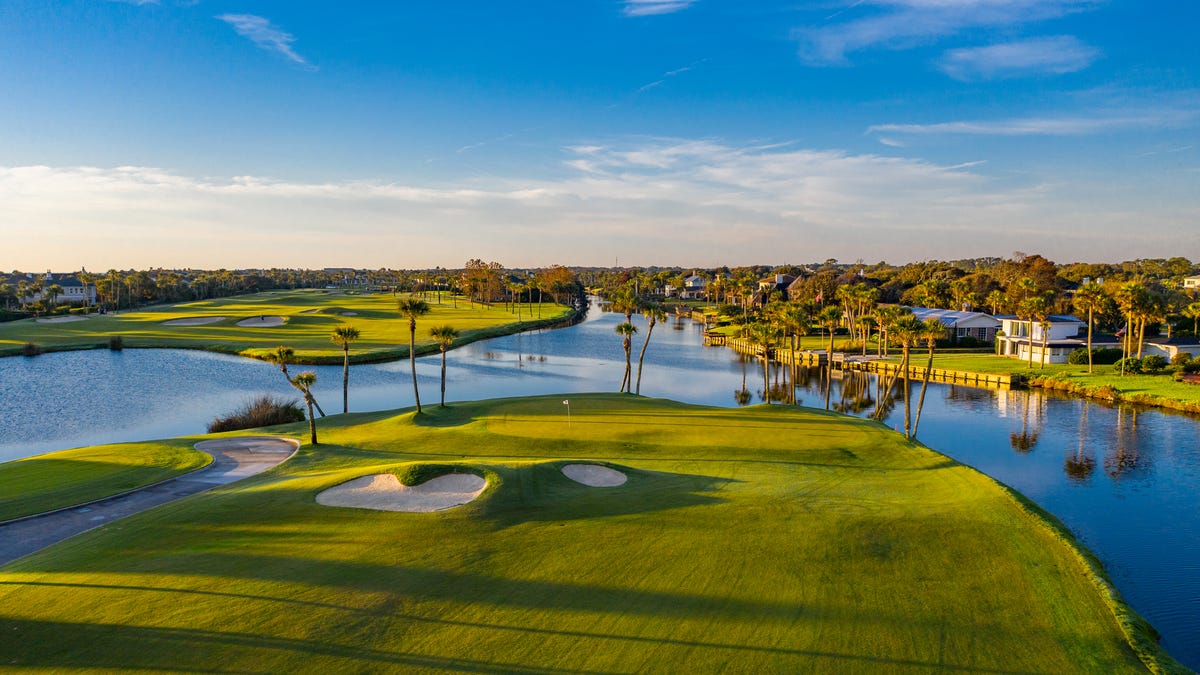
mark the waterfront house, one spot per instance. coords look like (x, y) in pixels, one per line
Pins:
(1062, 334)
(693, 287)
(962, 323)
(1191, 282)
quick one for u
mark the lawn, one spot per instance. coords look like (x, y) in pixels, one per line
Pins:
(752, 540)
(309, 318)
(70, 477)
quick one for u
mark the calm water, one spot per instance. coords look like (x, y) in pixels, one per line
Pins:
(1126, 482)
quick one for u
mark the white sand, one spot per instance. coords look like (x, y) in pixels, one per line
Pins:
(62, 319)
(194, 321)
(385, 492)
(594, 475)
(262, 322)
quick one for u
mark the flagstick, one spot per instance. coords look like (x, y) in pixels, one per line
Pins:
(567, 403)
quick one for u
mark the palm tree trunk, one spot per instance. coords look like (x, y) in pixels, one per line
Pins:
(443, 404)
(345, 377)
(907, 408)
(642, 357)
(412, 360)
(767, 373)
(1089, 340)
(1031, 344)
(312, 421)
(924, 384)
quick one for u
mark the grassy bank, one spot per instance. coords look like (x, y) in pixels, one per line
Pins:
(753, 540)
(60, 479)
(309, 317)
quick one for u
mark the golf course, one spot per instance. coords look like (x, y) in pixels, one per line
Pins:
(253, 325)
(634, 535)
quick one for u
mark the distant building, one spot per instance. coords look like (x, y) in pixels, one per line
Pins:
(962, 324)
(1063, 334)
(74, 291)
(1191, 282)
(693, 287)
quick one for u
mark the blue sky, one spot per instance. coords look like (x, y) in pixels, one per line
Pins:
(678, 132)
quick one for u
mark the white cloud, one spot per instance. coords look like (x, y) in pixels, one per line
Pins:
(1141, 120)
(650, 7)
(265, 35)
(1053, 55)
(668, 201)
(900, 24)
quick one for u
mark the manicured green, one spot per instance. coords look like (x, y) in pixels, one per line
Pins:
(310, 318)
(70, 477)
(763, 539)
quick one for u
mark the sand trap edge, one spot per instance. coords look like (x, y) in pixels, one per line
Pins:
(194, 321)
(273, 321)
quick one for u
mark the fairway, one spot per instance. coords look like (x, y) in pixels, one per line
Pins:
(764, 539)
(252, 325)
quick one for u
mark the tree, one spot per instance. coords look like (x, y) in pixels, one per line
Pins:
(54, 291)
(626, 331)
(445, 336)
(1091, 299)
(764, 335)
(906, 331)
(1130, 298)
(411, 308)
(304, 382)
(344, 335)
(830, 318)
(653, 314)
(932, 331)
(280, 357)
(1192, 312)
(1032, 309)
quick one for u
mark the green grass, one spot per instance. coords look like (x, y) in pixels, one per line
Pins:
(70, 477)
(750, 540)
(311, 316)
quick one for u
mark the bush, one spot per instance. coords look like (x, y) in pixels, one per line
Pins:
(1153, 363)
(969, 341)
(263, 411)
(1191, 367)
(30, 349)
(1130, 365)
(1079, 357)
(1105, 356)
(116, 343)
(1180, 359)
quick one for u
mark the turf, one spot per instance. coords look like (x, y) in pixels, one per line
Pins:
(70, 477)
(310, 315)
(751, 540)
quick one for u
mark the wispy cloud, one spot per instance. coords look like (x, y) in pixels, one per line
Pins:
(137, 2)
(900, 24)
(1048, 55)
(650, 7)
(1167, 118)
(265, 35)
(668, 75)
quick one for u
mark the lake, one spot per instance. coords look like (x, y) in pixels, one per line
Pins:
(1126, 482)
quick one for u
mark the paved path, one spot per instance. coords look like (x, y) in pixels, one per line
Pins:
(233, 459)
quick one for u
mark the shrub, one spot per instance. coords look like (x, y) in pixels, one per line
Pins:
(1104, 356)
(1079, 357)
(969, 341)
(116, 343)
(263, 411)
(1153, 363)
(30, 349)
(1181, 359)
(1191, 367)
(1130, 365)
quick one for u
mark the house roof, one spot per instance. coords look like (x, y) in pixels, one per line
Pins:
(1053, 318)
(952, 318)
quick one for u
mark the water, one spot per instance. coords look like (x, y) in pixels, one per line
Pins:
(1126, 482)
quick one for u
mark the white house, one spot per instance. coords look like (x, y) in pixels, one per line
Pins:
(693, 287)
(1169, 348)
(74, 291)
(1063, 334)
(961, 324)
(1191, 282)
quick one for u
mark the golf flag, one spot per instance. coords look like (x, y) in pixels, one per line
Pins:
(566, 402)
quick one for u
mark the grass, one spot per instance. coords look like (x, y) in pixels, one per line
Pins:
(752, 540)
(70, 477)
(310, 315)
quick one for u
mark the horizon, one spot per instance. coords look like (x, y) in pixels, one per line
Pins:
(690, 133)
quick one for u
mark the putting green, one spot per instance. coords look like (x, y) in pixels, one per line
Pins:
(764, 539)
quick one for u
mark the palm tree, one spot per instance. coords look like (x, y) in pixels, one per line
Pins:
(344, 335)
(907, 331)
(54, 290)
(1130, 297)
(444, 335)
(626, 331)
(1091, 299)
(280, 357)
(1192, 312)
(412, 308)
(932, 331)
(304, 382)
(653, 314)
(1032, 309)
(830, 318)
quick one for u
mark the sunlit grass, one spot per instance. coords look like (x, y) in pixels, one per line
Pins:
(310, 317)
(752, 540)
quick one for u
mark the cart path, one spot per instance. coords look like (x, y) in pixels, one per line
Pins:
(233, 459)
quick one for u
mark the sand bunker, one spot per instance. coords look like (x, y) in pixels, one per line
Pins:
(261, 322)
(594, 475)
(62, 319)
(194, 321)
(385, 492)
